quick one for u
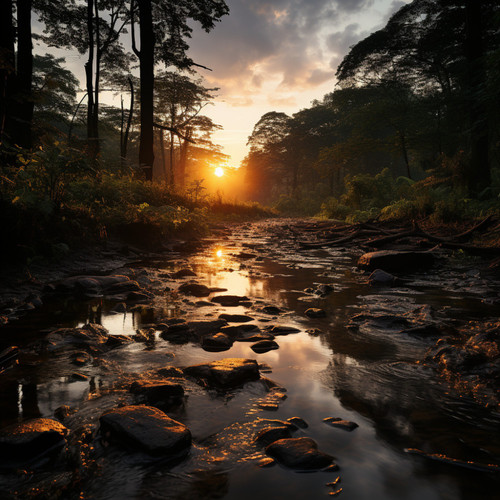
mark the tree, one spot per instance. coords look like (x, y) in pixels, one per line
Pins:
(165, 41)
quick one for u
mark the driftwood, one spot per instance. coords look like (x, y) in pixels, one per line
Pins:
(331, 234)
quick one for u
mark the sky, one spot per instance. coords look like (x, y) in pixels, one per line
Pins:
(269, 55)
(278, 55)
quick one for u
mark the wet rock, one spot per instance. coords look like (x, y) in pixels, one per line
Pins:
(266, 462)
(264, 346)
(145, 335)
(299, 422)
(201, 328)
(117, 340)
(299, 453)
(394, 260)
(142, 297)
(204, 303)
(217, 342)
(78, 377)
(182, 273)
(154, 392)
(24, 443)
(229, 300)
(225, 373)
(195, 289)
(146, 428)
(240, 331)
(268, 406)
(271, 310)
(324, 290)
(123, 288)
(283, 330)
(340, 423)
(91, 286)
(255, 336)
(271, 434)
(314, 312)
(380, 277)
(236, 318)
(170, 371)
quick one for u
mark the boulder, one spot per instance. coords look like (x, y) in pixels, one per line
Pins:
(347, 425)
(216, 342)
(324, 290)
(147, 429)
(271, 310)
(314, 312)
(236, 318)
(154, 391)
(283, 330)
(24, 443)
(201, 328)
(298, 421)
(225, 373)
(170, 371)
(264, 346)
(380, 277)
(299, 453)
(229, 300)
(195, 289)
(182, 273)
(271, 434)
(395, 260)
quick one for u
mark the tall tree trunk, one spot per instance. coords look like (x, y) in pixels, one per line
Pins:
(24, 105)
(124, 147)
(163, 157)
(95, 111)
(7, 65)
(146, 71)
(478, 175)
(89, 78)
(172, 160)
(404, 150)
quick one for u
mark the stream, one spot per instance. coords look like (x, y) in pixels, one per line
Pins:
(364, 369)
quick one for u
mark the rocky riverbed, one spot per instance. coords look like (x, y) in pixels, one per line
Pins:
(223, 367)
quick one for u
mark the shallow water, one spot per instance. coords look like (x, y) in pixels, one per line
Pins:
(368, 375)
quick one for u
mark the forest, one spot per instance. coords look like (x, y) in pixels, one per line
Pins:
(175, 326)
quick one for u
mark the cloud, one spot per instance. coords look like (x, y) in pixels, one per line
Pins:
(278, 45)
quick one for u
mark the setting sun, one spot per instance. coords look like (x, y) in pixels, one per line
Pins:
(219, 172)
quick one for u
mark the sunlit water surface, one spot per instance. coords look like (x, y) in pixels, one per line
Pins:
(368, 376)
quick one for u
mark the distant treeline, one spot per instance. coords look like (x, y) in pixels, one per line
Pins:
(419, 98)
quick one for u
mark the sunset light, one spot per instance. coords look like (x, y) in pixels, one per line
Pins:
(219, 172)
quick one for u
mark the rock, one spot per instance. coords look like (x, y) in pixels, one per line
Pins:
(146, 428)
(299, 453)
(24, 443)
(324, 290)
(182, 273)
(78, 377)
(117, 340)
(80, 358)
(283, 330)
(123, 288)
(236, 318)
(90, 286)
(264, 346)
(195, 289)
(268, 406)
(271, 434)
(380, 277)
(314, 312)
(170, 371)
(217, 342)
(239, 331)
(201, 328)
(204, 303)
(299, 422)
(145, 335)
(153, 391)
(271, 310)
(266, 462)
(341, 424)
(143, 297)
(229, 300)
(395, 260)
(225, 373)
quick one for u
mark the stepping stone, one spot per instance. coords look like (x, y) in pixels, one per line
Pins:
(341, 424)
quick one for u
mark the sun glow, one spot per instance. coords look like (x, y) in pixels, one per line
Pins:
(219, 172)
